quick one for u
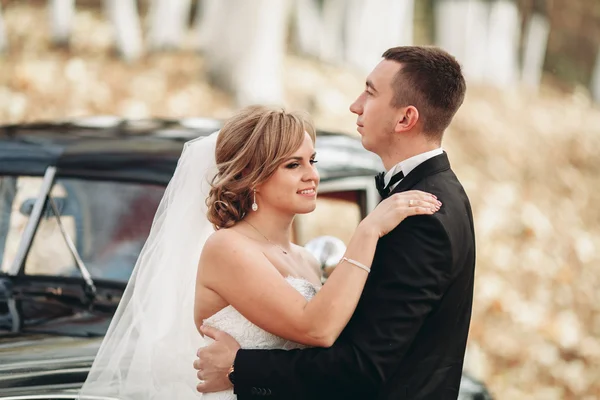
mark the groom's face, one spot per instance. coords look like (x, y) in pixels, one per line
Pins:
(376, 117)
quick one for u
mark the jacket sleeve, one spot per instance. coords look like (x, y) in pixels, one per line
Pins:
(410, 273)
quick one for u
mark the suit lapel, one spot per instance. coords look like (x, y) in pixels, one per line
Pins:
(430, 167)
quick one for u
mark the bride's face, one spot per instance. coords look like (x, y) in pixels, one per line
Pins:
(293, 186)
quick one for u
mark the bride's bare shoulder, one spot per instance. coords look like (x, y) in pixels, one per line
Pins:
(226, 243)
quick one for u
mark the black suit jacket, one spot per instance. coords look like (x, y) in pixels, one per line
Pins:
(407, 337)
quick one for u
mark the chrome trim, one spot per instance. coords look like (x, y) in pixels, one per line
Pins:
(14, 314)
(38, 374)
(32, 223)
(74, 396)
(80, 264)
(41, 363)
(365, 183)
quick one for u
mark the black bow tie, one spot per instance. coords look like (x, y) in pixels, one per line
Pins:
(384, 191)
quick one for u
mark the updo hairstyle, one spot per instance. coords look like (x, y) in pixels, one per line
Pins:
(251, 145)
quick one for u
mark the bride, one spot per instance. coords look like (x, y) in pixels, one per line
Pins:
(220, 254)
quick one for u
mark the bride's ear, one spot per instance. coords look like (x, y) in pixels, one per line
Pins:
(243, 174)
(246, 171)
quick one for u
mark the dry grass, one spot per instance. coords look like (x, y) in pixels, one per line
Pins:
(528, 161)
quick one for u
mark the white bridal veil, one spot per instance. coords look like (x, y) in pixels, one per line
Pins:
(151, 343)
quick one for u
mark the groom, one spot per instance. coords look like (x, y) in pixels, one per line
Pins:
(407, 337)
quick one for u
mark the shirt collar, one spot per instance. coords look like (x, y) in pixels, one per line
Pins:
(411, 163)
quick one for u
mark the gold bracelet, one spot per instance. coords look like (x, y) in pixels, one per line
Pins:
(356, 264)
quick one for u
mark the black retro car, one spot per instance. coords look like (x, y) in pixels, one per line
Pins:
(77, 201)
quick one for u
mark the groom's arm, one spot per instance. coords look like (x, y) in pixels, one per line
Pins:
(411, 272)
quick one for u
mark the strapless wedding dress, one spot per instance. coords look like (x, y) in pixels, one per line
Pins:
(250, 336)
(167, 373)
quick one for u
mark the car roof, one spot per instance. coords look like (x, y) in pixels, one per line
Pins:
(111, 148)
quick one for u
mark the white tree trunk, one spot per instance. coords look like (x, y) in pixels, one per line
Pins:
(389, 23)
(168, 23)
(319, 32)
(61, 20)
(536, 40)
(406, 11)
(332, 29)
(502, 50)
(209, 14)
(123, 15)
(450, 18)
(353, 36)
(595, 86)
(476, 40)
(308, 24)
(246, 54)
(3, 41)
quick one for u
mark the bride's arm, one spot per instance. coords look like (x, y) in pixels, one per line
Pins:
(246, 279)
(241, 274)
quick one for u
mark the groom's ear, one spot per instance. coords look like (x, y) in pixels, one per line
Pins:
(408, 118)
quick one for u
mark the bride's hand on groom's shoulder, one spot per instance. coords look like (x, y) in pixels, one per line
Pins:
(393, 210)
(214, 361)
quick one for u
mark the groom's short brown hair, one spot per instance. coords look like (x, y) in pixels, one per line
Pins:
(431, 80)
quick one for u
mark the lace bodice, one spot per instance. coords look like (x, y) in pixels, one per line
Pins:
(250, 336)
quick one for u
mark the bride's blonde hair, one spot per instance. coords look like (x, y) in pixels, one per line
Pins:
(250, 147)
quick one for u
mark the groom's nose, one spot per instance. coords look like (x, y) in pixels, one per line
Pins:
(357, 106)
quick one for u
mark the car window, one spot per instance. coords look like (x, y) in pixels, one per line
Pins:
(110, 221)
(107, 221)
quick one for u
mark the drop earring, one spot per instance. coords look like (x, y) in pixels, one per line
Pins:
(254, 205)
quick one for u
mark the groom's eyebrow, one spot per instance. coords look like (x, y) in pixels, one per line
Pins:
(370, 85)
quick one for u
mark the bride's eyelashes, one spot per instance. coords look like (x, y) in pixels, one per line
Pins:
(296, 165)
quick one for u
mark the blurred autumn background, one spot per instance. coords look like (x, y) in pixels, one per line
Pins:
(525, 143)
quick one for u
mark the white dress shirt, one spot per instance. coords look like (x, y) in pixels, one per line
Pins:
(409, 164)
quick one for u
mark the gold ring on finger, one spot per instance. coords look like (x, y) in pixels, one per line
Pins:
(410, 202)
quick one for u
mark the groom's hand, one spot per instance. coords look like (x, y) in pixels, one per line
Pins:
(214, 361)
